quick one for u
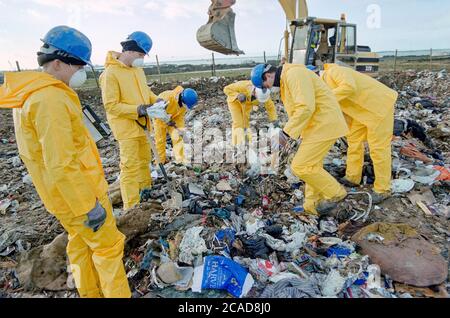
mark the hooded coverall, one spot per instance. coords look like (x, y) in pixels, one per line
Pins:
(177, 114)
(369, 109)
(64, 164)
(124, 89)
(240, 112)
(315, 116)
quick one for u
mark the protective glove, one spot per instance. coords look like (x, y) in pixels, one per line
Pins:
(242, 98)
(158, 111)
(142, 110)
(96, 217)
(171, 124)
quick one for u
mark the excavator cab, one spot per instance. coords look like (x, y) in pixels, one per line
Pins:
(219, 34)
(320, 41)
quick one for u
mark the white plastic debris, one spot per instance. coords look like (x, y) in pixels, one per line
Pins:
(192, 245)
(223, 185)
(4, 205)
(329, 226)
(298, 194)
(374, 279)
(425, 176)
(296, 241)
(15, 161)
(402, 185)
(27, 179)
(284, 275)
(291, 178)
(330, 241)
(195, 189)
(175, 203)
(252, 226)
(332, 284)
(338, 162)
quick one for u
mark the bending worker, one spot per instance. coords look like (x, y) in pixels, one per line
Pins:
(369, 109)
(126, 97)
(64, 162)
(242, 96)
(179, 101)
(315, 116)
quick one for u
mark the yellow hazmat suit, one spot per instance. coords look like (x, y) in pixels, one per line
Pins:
(64, 164)
(124, 89)
(240, 112)
(177, 114)
(315, 116)
(369, 109)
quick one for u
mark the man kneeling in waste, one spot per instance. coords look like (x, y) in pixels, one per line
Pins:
(368, 106)
(179, 101)
(242, 97)
(315, 116)
(64, 162)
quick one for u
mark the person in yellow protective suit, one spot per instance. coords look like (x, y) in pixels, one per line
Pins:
(241, 98)
(369, 109)
(126, 96)
(179, 101)
(315, 116)
(63, 161)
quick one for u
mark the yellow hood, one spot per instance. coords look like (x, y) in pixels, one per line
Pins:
(328, 66)
(112, 59)
(19, 86)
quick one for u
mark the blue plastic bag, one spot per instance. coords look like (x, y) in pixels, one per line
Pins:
(339, 251)
(219, 272)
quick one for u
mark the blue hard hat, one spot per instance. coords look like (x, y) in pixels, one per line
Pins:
(311, 67)
(71, 41)
(142, 39)
(189, 97)
(257, 74)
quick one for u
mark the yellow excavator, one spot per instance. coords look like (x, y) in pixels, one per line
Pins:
(308, 40)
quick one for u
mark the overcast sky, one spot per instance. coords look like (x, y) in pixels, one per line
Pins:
(383, 24)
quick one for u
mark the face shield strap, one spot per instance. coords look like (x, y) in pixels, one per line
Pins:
(48, 53)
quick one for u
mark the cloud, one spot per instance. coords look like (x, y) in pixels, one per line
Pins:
(37, 15)
(115, 7)
(179, 8)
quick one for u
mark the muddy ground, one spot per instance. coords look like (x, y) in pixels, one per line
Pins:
(26, 224)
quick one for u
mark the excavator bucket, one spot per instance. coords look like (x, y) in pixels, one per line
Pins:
(219, 35)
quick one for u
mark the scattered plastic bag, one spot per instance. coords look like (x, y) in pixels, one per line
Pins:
(219, 272)
(402, 185)
(192, 245)
(158, 111)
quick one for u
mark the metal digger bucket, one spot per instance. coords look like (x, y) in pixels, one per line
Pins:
(219, 36)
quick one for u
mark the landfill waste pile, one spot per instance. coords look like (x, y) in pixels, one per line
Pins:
(233, 232)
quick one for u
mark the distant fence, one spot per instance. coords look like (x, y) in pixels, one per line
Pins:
(391, 61)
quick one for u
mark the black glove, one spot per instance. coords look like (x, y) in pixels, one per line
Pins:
(96, 217)
(171, 124)
(142, 110)
(242, 98)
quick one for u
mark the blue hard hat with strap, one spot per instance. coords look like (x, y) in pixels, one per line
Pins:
(71, 41)
(189, 98)
(142, 40)
(258, 73)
